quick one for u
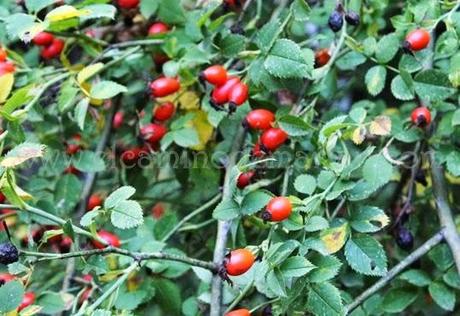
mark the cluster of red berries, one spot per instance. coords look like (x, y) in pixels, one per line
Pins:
(5, 65)
(227, 89)
(51, 46)
(60, 243)
(28, 298)
(271, 138)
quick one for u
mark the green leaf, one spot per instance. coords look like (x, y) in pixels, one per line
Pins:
(127, 214)
(66, 98)
(294, 125)
(276, 284)
(168, 296)
(266, 35)
(369, 219)
(129, 300)
(433, 85)
(377, 171)
(148, 8)
(186, 137)
(51, 303)
(416, 277)
(316, 223)
(375, 79)
(456, 118)
(453, 163)
(324, 300)
(441, 257)
(80, 112)
(442, 295)
(366, 255)
(232, 44)
(22, 26)
(397, 300)
(11, 296)
(107, 89)
(296, 266)
(400, 89)
(451, 278)
(37, 5)
(121, 194)
(67, 191)
(327, 267)
(300, 10)
(357, 162)
(350, 60)
(98, 11)
(286, 60)
(305, 183)
(89, 217)
(255, 201)
(387, 48)
(88, 161)
(280, 251)
(171, 12)
(226, 210)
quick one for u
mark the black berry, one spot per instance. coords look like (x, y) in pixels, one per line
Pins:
(336, 21)
(404, 239)
(352, 18)
(8, 253)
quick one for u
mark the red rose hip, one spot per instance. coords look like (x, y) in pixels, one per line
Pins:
(421, 116)
(164, 86)
(260, 119)
(110, 238)
(417, 40)
(158, 28)
(238, 261)
(43, 39)
(239, 312)
(164, 111)
(278, 209)
(273, 138)
(215, 75)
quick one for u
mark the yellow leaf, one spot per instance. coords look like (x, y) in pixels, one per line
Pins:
(203, 127)
(381, 125)
(21, 153)
(6, 84)
(64, 12)
(31, 310)
(334, 238)
(189, 100)
(88, 72)
(359, 134)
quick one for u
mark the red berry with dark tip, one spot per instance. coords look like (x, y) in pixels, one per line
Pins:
(110, 238)
(6, 277)
(220, 95)
(417, 40)
(421, 116)
(158, 28)
(164, 86)
(164, 111)
(322, 57)
(273, 138)
(239, 261)
(278, 209)
(245, 179)
(153, 132)
(215, 75)
(260, 119)
(43, 39)
(238, 94)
